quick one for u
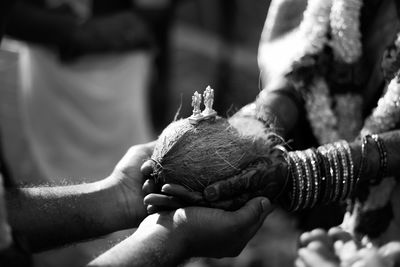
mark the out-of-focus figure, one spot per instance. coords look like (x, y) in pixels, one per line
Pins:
(82, 72)
(85, 70)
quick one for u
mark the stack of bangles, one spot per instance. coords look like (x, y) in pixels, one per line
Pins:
(326, 174)
(321, 175)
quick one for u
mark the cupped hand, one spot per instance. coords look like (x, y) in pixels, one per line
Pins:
(208, 232)
(259, 179)
(127, 180)
(256, 180)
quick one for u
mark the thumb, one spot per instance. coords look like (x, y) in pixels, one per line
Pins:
(147, 167)
(255, 210)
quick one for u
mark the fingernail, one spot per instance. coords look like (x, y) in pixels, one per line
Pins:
(210, 194)
(266, 204)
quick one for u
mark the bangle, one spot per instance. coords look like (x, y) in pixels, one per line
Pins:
(294, 174)
(364, 143)
(382, 160)
(351, 169)
(323, 174)
(308, 179)
(311, 154)
(301, 180)
(329, 175)
(345, 169)
(334, 156)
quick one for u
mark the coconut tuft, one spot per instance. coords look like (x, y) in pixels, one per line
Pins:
(198, 155)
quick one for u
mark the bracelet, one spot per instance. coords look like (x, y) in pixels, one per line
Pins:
(308, 178)
(349, 157)
(294, 174)
(382, 160)
(314, 166)
(328, 174)
(321, 175)
(345, 169)
(364, 143)
(300, 179)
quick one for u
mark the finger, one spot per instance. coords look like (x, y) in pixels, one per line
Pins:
(369, 257)
(313, 259)
(182, 193)
(320, 248)
(149, 187)
(315, 235)
(337, 233)
(254, 211)
(152, 209)
(391, 252)
(162, 201)
(260, 177)
(346, 251)
(147, 168)
(299, 263)
(230, 187)
(231, 204)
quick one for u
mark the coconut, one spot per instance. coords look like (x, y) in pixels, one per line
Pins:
(196, 155)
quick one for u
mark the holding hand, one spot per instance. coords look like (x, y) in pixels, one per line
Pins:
(206, 232)
(337, 248)
(169, 238)
(127, 180)
(229, 194)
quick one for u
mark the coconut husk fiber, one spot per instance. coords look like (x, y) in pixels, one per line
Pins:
(197, 155)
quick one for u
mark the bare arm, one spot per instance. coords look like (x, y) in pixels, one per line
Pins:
(278, 106)
(154, 246)
(54, 216)
(168, 238)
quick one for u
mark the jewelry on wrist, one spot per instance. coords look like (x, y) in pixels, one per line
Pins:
(382, 160)
(322, 175)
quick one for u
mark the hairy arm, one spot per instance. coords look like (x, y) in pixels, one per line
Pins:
(154, 246)
(54, 216)
(278, 108)
(168, 238)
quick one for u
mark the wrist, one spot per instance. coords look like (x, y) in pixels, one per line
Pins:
(265, 119)
(168, 243)
(126, 208)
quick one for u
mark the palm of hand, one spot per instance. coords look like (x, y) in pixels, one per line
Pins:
(207, 232)
(127, 180)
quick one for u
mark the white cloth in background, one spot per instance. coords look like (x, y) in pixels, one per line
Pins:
(81, 118)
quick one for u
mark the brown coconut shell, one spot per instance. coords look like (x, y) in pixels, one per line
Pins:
(198, 155)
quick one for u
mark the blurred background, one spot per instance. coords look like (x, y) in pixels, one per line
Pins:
(85, 79)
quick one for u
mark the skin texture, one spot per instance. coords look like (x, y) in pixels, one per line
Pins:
(61, 215)
(168, 238)
(240, 188)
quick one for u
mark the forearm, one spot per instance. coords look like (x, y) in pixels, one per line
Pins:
(153, 246)
(278, 108)
(391, 141)
(55, 216)
(333, 172)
